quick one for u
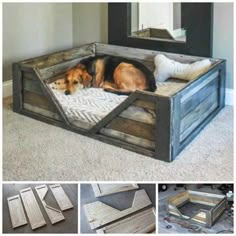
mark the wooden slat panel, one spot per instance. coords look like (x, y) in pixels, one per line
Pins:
(32, 209)
(29, 75)
(100, 214)
(139, 114)
(199, 110)
(61, 197)
(128, 138)
(107, 189)
(16, 210)
(38, 101)
(145, 104)
(134, 128)
(198, 97)
(32, 86)
(140, 223)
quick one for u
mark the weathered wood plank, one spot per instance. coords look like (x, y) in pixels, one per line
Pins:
(128, 138)
(194, 118)
(108, 189)
(198, 97)
(145, 104)
(37, 100)
(140, 223)
(32, 86)
(29, 75)
(17, 87)
(55, 58)
(99, 214)
(139, 114)
(16, 210)
(134, 128)
(32, 209)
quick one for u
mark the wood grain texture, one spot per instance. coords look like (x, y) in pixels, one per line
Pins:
(140, 223)
(32, 209)
(134, 128)
(107, 189)
(16, 210)
(99, 214)
(61, 197)
(54, 214)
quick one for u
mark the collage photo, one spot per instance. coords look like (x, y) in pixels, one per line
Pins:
(117, 117)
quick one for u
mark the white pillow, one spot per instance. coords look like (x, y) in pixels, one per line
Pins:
(166, 68)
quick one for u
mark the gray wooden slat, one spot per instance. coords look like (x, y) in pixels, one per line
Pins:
(17, 87)
(128, 138)
(144, 104)
(32, 86)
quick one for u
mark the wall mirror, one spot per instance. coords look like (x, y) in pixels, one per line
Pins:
(157, 20)
(184, 28)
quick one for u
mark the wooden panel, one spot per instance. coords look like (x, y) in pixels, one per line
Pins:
(61, 197)
(140, 223)
(194, 118)
(179, 199)
(198, 97)
(55, 58)
(32, 86)
(38, 101)
(29, 75)
(133, 128)
(99, 214)
(128, 138)
(145, 104)
(16, 210)
(54, 215)
(139, 114)
(106, 189)
(32, 209)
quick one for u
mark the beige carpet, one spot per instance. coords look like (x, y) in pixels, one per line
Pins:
(33, 150)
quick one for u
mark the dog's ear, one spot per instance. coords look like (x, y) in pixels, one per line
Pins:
(81, 66)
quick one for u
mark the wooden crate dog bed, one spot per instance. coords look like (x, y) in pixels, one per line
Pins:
(156, 124)
(199, 207)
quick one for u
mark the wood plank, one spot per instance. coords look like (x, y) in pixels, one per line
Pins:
(107, 189)
(61, 197)
(17, 87)
(99, 214)
(200, 113)
(29, 75)
(16, 210)
(54, 214)
(198, 97)
(32, 209)
(41, 111)
(145, 104)
(38, 101)
(32, 86)
(140, 223)
(128, 138)
(134, 128)
(139, 114)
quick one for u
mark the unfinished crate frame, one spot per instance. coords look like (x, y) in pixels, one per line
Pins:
(176, 121)
(203, 216)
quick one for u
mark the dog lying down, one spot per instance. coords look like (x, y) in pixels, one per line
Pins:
(113, 74)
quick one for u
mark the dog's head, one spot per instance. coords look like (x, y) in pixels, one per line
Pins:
(77, 77)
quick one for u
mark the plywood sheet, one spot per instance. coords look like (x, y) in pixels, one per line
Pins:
(54, 214)
(99, 214)
(16, 210)
(106, 189)
(61, 197)
(140, 223)
(32, 209)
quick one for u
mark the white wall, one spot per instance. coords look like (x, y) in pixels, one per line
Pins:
(90, 23)
(223, 43)
(33, 29)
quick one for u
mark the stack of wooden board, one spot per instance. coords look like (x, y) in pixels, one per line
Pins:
(106, 219)
(32, 208)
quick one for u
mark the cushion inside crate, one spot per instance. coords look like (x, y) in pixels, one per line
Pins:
(91, 105)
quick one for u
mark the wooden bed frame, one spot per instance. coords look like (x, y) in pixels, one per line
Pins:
(205, 217)
(165, 125)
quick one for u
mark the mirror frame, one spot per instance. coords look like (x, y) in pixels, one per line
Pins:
(199, 30)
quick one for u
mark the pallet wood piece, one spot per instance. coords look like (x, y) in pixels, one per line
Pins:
(32, 209)
(61, 197)
(215, 202)
(107, 189)
(16, 210)
(54, 214)
(140, 223)
(99, 214)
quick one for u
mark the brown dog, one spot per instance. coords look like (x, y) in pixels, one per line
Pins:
(113, 74)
